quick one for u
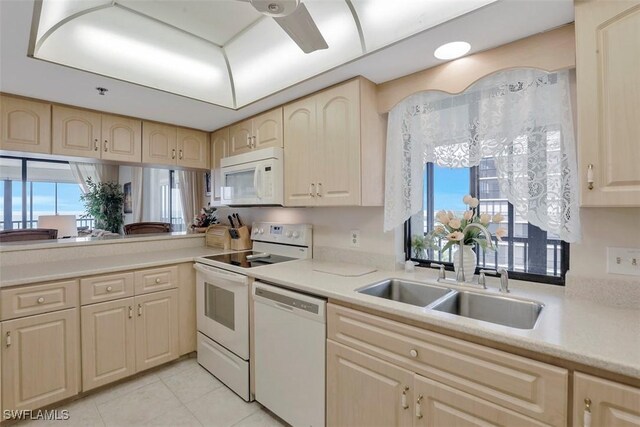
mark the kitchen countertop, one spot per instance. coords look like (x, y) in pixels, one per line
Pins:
(48, 271)
(573, 329)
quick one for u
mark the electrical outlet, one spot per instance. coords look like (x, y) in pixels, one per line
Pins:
(354, 237)
(623, 261)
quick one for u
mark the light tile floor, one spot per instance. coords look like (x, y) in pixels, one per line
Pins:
(181, 394)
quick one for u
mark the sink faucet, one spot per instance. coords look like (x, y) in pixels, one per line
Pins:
(504, 280)
(460, 273)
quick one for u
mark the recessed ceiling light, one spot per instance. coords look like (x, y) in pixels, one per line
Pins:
(452, 50)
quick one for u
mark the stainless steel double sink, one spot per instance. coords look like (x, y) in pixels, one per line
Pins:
(503, 310)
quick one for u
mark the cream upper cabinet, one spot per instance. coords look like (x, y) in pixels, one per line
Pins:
(262, 131)
(608, 85)
(300, 136)
(365, 391)
(159, 143)
(267, 129)
(219, 150)
(240, 140)
(338, 146)
(25, 126)
(40, 359)
(156, 328)
(108, 342)
(193, 148)
(607, 403)
(332, 140)
(75, 132)
(121, 138)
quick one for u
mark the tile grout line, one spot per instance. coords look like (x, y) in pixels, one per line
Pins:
(181, 402)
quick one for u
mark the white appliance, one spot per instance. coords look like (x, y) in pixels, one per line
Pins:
(254, 178)
(222, 299)
(290, 336)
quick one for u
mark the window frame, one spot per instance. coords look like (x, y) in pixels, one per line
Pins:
(474, 187)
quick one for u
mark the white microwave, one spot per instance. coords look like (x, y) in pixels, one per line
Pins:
(254, 178)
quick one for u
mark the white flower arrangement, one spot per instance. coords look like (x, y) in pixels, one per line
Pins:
(455, 229)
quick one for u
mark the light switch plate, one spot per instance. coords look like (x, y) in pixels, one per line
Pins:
(354, 238)
(623, 261)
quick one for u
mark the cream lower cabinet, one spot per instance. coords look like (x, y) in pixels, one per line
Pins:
(40, 359)
(125, 336)
(333, 146)
(605, 403)
(108, 342)
(608, 95)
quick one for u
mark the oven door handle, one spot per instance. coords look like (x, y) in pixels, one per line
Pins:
(221, 274)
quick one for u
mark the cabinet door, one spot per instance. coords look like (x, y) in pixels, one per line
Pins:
(121, 139)
(240, 138)
(108, 342)
(299, 163)
(611, 404)
(607, 63)
(25, 126)
(365, 391)
(219, 150)
(193, 148)
(75, 132)
(440, 405)
(337, 153)
(40, 359)
(157, 339)
(267, 129)
(159, 143)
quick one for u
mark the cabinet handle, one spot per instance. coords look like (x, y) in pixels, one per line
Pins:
(109, 288)
(95, 144)
(106, 145)
(404, 398)
(319, 192)
(8, 339)
(181, 155)
(41, 300)
(139, 310)
(587, 413)
(413, 352)
(312, 188)
(254, 141)
(418, 407)
(590, 176)
(248, 141)
(157, 280)
(130, 312)
(173, 153)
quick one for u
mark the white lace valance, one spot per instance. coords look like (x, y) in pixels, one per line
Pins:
(521, 117)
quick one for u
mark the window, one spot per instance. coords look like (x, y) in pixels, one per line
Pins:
(527, 252)
(162, 196)
(31, 188)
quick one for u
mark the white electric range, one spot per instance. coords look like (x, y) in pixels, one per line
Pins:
(222, 298)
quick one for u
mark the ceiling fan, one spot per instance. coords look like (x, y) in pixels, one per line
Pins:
(295, 20)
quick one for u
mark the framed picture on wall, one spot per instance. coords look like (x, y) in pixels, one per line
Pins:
(128, 202)
(207, 183)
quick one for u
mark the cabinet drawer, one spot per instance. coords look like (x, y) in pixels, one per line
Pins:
(106, 288)
(36, 299)
(156, 279)
(526, 386)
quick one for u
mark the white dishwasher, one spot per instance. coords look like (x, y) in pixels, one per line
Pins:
(290, 341)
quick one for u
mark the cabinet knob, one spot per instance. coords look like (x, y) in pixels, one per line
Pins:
(157, 280)
(413, 352)
(109, 288)
(41, 300)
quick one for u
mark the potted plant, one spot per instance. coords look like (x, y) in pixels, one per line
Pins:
(206, 218)
(104, 202)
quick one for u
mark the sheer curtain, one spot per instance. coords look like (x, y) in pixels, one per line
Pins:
(191, 187)
(137, 182)
(521, 117)
(97, 172)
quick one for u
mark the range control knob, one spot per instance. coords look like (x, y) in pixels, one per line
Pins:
(261, 231)
(296, 234)
(289, 234)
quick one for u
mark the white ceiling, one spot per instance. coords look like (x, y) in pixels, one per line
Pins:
(487, 27)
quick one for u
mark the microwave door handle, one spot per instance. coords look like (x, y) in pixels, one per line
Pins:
(257, 182)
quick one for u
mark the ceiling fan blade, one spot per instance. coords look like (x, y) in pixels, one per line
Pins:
(300, 27)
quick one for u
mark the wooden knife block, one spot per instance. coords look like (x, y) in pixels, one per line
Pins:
(218, 236)
(243, 242)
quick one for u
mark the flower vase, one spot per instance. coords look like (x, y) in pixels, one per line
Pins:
(469, 260)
